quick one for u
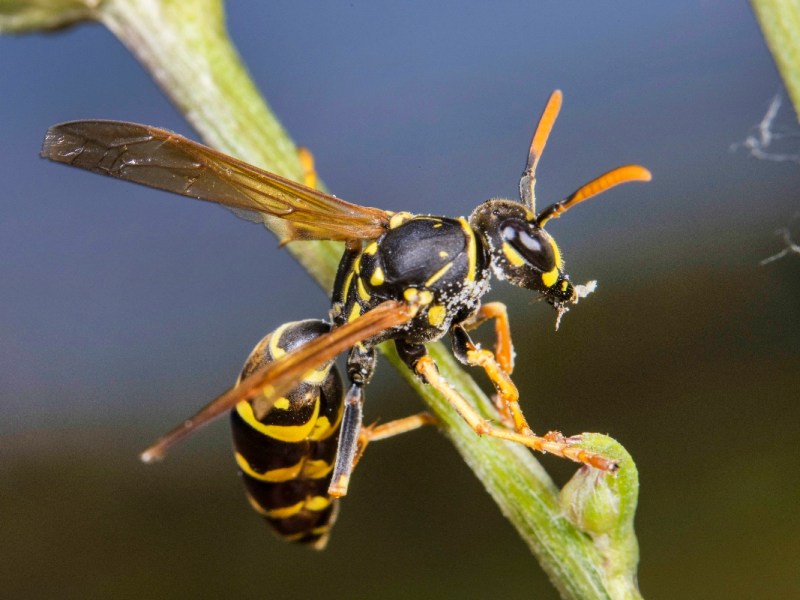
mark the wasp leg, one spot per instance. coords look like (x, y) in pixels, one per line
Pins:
(553, 443)
(307, 164)
(360, 368)
(504, 349)
(374, 432)
(348, 441)
(507, 394)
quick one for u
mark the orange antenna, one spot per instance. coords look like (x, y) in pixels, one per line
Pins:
(543, 129)
(594, 187)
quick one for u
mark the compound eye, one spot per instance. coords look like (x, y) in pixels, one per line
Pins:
(534, 246)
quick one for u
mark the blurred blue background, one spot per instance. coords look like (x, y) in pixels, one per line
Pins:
(123, 309)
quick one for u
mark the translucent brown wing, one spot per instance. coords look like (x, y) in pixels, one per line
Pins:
(276, 378)
(167, 161)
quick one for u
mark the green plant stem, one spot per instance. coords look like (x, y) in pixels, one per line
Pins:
(184, 45)
(780, 24)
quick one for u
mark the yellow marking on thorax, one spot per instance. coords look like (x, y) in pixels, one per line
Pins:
(438, 275)
(436, 315)
(398, 219)
(273, 475)
(371, 249)
(346, 285)
(355, 312)
(377, 278)
(418, 297)
(549, 279)
(443, 254)
(281, 404)
(362, 291)
(512, 256)
(472, 250)
(283, 433)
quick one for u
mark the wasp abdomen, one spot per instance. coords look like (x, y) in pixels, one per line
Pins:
(286, 455)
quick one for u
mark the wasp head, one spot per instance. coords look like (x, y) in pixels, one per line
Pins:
(522, 253)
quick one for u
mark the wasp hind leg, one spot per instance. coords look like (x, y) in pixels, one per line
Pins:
(374, 432)
(423, 365)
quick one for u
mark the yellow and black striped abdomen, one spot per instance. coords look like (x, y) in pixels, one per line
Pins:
(286, 456)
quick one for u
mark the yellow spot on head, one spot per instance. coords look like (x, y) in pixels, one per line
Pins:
(436, 315)
(443, 254)
(512, 256)
(377, 277)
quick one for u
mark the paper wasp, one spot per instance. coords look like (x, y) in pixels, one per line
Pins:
(406, 278)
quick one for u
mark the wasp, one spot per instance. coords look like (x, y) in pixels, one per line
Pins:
(407, 278)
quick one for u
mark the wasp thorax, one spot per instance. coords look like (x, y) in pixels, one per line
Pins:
(522, 253)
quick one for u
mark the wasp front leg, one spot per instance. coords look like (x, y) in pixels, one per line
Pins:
(507, 399)
(504, 349)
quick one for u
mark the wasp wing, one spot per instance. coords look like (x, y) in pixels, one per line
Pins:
(278, 377)
(164, 160)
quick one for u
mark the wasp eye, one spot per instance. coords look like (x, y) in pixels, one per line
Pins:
(531, 244)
